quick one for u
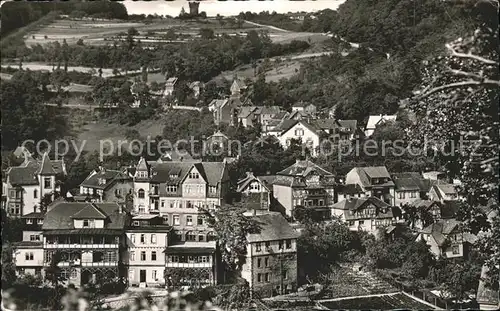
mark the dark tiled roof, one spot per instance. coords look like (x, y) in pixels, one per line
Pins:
(28, 244)
(46, 166)
(326, 124)
(110, 176)
(303, 168)
(90, 211)
(352, 125)
(59, 216)
(377, 172)
(439, 230)
(273, 226)
(19, 176)
(33, 215)
(212, 172)
(484, 294)
(349, 189)
(403, 184)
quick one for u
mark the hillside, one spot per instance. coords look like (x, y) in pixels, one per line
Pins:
(17, 14)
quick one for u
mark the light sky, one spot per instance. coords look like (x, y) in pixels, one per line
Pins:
(214, 7)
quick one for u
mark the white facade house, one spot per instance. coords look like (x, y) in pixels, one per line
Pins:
(147, 238)
(374, 121)
(302, 131)
(27, 184)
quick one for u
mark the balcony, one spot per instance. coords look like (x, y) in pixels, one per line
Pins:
(188, 265)
(81, 246)
(29, 263)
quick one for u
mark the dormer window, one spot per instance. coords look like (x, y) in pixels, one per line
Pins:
(171, 189)
(101, 181)
(142, 174)
(88, 223)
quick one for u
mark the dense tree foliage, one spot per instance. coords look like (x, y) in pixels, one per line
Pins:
(323, 245)
(23, 114)
(457, 108)
(17, 14)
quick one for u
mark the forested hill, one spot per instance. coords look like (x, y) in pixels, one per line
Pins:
(394, 36)
(17, 14)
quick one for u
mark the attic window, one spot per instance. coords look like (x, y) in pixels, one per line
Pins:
(194, 175)
(101, 181)
(174, 175)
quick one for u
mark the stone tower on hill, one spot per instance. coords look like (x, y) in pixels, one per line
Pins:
(194, 8)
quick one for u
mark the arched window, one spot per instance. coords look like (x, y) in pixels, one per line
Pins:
(35, 194)
(141, 193)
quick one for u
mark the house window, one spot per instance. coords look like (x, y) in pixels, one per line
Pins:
(189, 220)
(194, 175)
(135, 223)
(39, 221)
(171, 189)
(401, 195)
(268, 246)
(132, 256)
(35, 194)
(88, 223)
(266, 262)
(189, 204)
(73, 274)
(361, 222)
(177, 220)
(351, 222)
(413, 194)
(190, 236)
(174, 259)
(299, 132)
(259, 277)
(268, 278)
(201, 238)
(288, 244)
(201, 220)
(143, 256)
(154, 275)
(153, 256)
(258, 247)
(141, 193)
(162, 204)
(29, 256)
(212, 189)
(35, 237)
(259, 262)
(285, 274)
(143, 238)
(132, 238)
(153, 238)
(47, 183)
(29, 221)
(280, 244)
(455, 249)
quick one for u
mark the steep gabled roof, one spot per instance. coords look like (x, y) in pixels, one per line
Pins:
(273, 226)
(441, 229)
(244, 182)
(373, 121)
(46, 166)
(90, 211)
(60, 215)
(303, 168)
(376, 171)
(352, 205)
(110, 176)
(173, 173)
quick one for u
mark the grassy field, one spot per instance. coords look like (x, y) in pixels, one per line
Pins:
(95, 132)
(102, 31)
